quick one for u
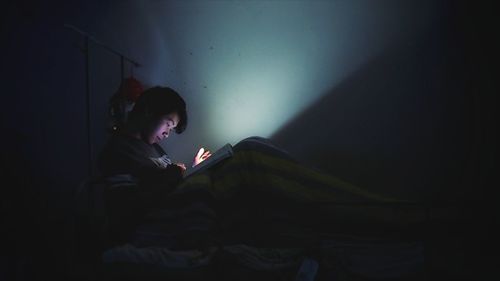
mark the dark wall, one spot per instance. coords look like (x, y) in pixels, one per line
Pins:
(411, 122)
(44, 131)
(418, 121)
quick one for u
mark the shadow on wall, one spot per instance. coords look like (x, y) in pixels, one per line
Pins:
(400, 125)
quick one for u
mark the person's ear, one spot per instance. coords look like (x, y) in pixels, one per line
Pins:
(147, 114)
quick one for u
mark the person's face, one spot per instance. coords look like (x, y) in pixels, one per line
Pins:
(161, 128)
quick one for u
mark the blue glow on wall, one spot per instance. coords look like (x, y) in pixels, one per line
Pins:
(248, 67)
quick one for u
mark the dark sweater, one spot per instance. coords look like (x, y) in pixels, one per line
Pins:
(156, 177)
(124, 154)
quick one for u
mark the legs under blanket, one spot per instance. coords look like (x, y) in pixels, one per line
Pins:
(261, 176)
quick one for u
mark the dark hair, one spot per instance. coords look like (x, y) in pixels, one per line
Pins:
(158, 101)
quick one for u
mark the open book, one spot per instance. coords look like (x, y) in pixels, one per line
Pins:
(222, 153)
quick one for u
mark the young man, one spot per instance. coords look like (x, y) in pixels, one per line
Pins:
(135, 149)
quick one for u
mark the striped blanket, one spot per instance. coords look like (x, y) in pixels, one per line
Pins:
(263, 198)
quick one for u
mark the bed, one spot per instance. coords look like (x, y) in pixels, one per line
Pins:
(260, 215)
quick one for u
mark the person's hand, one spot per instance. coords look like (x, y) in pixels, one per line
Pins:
(201, 156)
(182, 166)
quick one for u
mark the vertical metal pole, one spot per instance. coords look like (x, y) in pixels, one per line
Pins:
(122, 68)
(86, 51)
(87, 89)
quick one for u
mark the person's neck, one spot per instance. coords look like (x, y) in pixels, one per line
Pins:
(131, 132)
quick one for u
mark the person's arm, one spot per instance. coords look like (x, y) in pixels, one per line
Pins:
(124, 160)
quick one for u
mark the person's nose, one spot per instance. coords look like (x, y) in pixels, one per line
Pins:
(168, 130)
